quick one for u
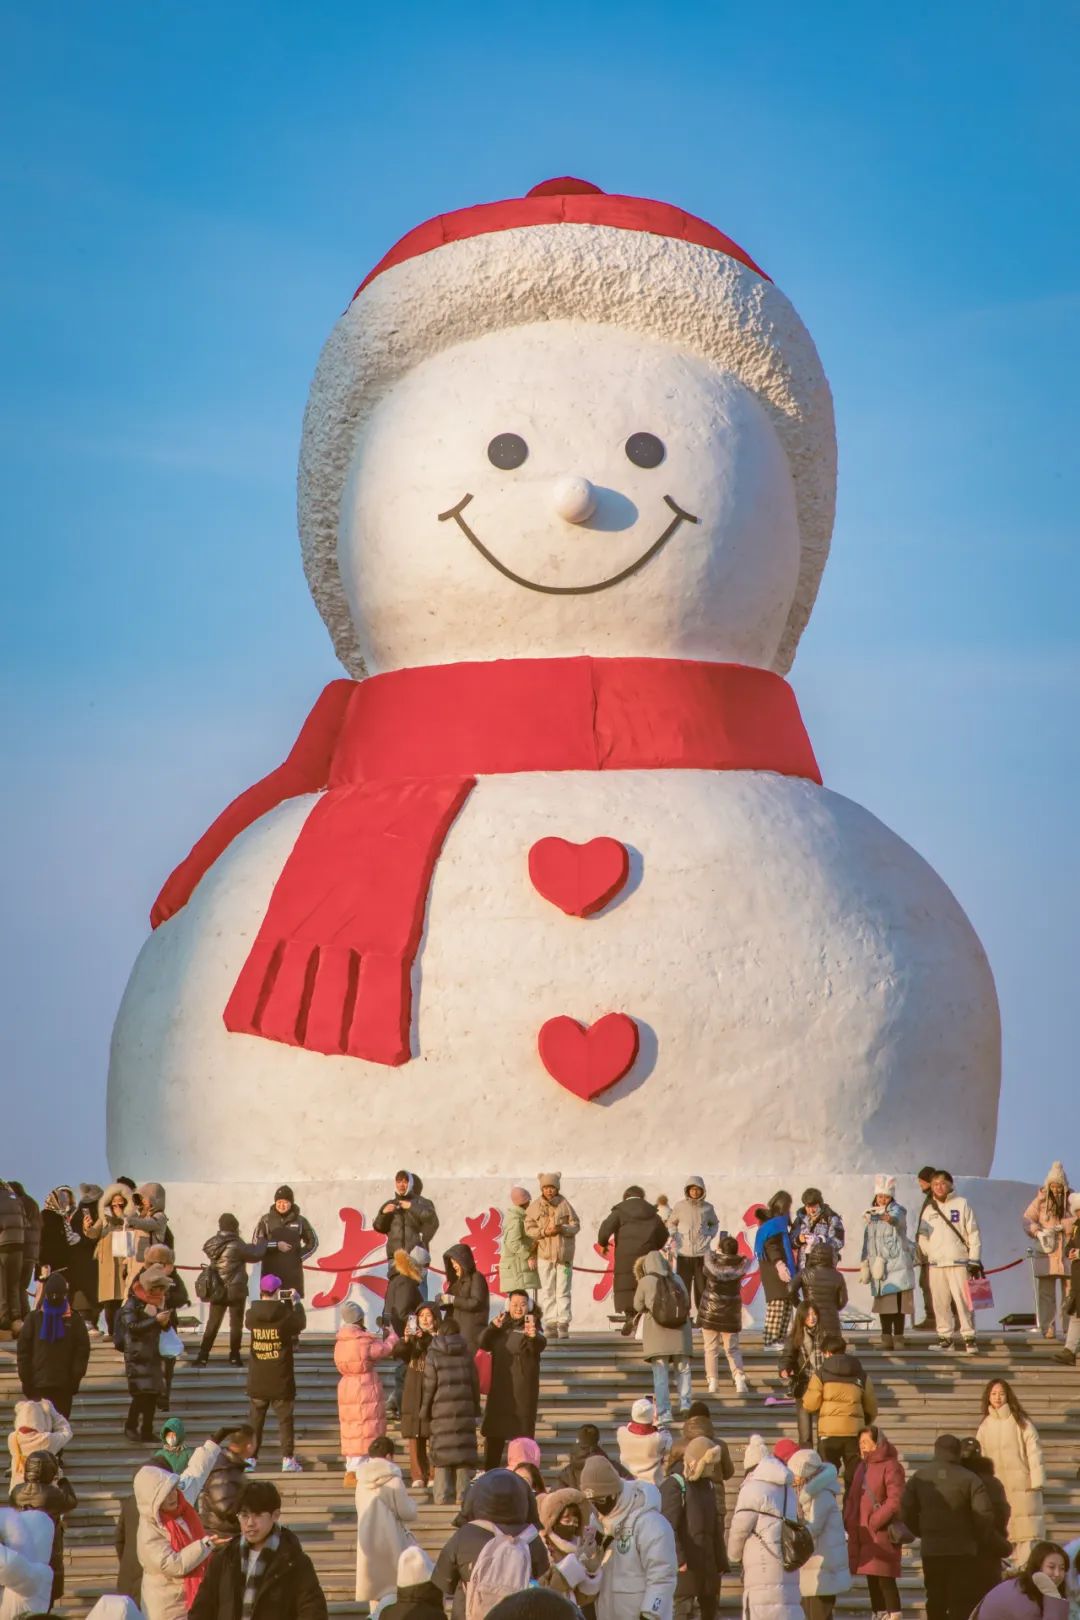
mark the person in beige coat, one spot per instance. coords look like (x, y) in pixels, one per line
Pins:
(1047, 1220)
(552, 1224)
(1011, 1442)
(172, 1545)
(110, 1236)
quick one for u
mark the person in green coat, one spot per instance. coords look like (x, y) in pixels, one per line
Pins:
(517, 1258)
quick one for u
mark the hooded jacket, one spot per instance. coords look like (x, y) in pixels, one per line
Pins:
(575, 1562)
(888, 1257)
(110, 1266)
(26, 1576)
(767, 1496)
(553, 1228)
(948, 1508)
(410, 1228)
(640, 1568)
(843, 1396)
(873, 1502)
(826, 1572)
(450, 1401)
(163, 1568)
(12, 1218)
(657, 1340)
(46, 1490)
(138, 1330)
(1016, 1453)
(515, 1379)
(822, 1286)
(230, 1257)
(406, 1290)
(46, 1430)
(499, 1498)
(152, 1227)
(636, 1228)
(515, 1252)
(384, 1511)
(220, 1494)
(274, 1325)
(721, 1307)
(643, 1448)
(361, 1402)
(688, 1502)
(48, 1364)
(468, 1293)
(693, 1222)
(297, 1231)
(1042, 1217)
(31, 1223)
(289, 1589)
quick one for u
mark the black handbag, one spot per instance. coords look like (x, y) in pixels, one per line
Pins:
(796, 1542)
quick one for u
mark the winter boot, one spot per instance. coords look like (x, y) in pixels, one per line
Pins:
(742, 1387)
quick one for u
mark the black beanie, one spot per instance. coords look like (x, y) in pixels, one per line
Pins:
(284, 1192)
(228, 1223)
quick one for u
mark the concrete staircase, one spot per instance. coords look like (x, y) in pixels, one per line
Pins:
(591, 1378)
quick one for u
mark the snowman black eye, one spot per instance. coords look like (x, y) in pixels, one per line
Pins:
(644, 450)
(507, 450)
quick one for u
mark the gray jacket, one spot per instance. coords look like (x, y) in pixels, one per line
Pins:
(693, 1222)
(658, 1341)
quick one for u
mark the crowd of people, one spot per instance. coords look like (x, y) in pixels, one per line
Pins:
(450, 1385)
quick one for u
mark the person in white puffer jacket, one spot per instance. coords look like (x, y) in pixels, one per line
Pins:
(640, 1567)
(643, 1444)
(755, 1538)
(26, 1576)
(949, 1239)
(827, 1573)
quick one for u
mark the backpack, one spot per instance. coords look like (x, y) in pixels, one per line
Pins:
(210, 1286)
(503, 1566)
(670, 1306)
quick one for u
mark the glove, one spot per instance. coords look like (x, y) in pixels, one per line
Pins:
(218, 1436)
(1046, 1586)
(975, 1269)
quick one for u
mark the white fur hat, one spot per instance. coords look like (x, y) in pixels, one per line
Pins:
(565, 251)
(756, 1452)
(885, 1184)
(414, 1567)
(643, 1410)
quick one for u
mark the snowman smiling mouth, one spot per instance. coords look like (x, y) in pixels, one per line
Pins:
(680, 517)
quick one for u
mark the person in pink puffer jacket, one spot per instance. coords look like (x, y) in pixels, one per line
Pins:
(361, 1402)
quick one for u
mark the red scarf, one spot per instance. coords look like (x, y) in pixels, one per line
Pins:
(398, 754)
(182, 1528)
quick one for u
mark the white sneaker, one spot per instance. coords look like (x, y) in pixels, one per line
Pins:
(714, 1386)
(292, 1465)
(742, 1387)
(971, 1348)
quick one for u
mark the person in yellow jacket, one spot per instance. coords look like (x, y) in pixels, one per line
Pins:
(843, 1397)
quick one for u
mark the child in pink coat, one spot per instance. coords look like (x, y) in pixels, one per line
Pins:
(361, 1402)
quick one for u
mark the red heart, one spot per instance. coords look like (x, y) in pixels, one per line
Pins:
(588, 1060)
(579, 878)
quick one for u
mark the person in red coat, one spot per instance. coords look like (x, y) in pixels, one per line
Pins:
(873, 1503)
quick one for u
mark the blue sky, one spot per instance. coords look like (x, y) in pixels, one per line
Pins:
(191, 194)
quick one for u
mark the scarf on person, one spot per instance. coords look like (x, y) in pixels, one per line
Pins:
(51, 1330)
(183, 1526)
(395, 757)
(254, 1577)
(53, 1205)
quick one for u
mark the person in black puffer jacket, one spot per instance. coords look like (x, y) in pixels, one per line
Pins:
(230, 1257)
(450, 1407)
(821, 1285)
(45, 1489)
(140, 1322)
(291, 1236)
(465, 1293)
(12, 1240)
(688, 1503)
(275, 1324)
(408, 1220)
(516, 1345)
(635, 1228)
(720, 1311)
(225, 1481)
(54, 1349)
(499, 1498)
(992, 1551)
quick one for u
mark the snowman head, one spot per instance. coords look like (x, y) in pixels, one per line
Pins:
(571, 423)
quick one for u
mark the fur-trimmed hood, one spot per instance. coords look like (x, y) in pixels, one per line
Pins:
(116, 1189)
(550, 1504)
(407, 1267)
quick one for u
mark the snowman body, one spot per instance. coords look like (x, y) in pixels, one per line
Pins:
(572, 436)
(807, 990)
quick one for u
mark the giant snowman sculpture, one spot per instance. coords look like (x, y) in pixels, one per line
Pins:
(551, 879)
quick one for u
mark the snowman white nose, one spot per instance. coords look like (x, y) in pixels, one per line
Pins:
(574, 498)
